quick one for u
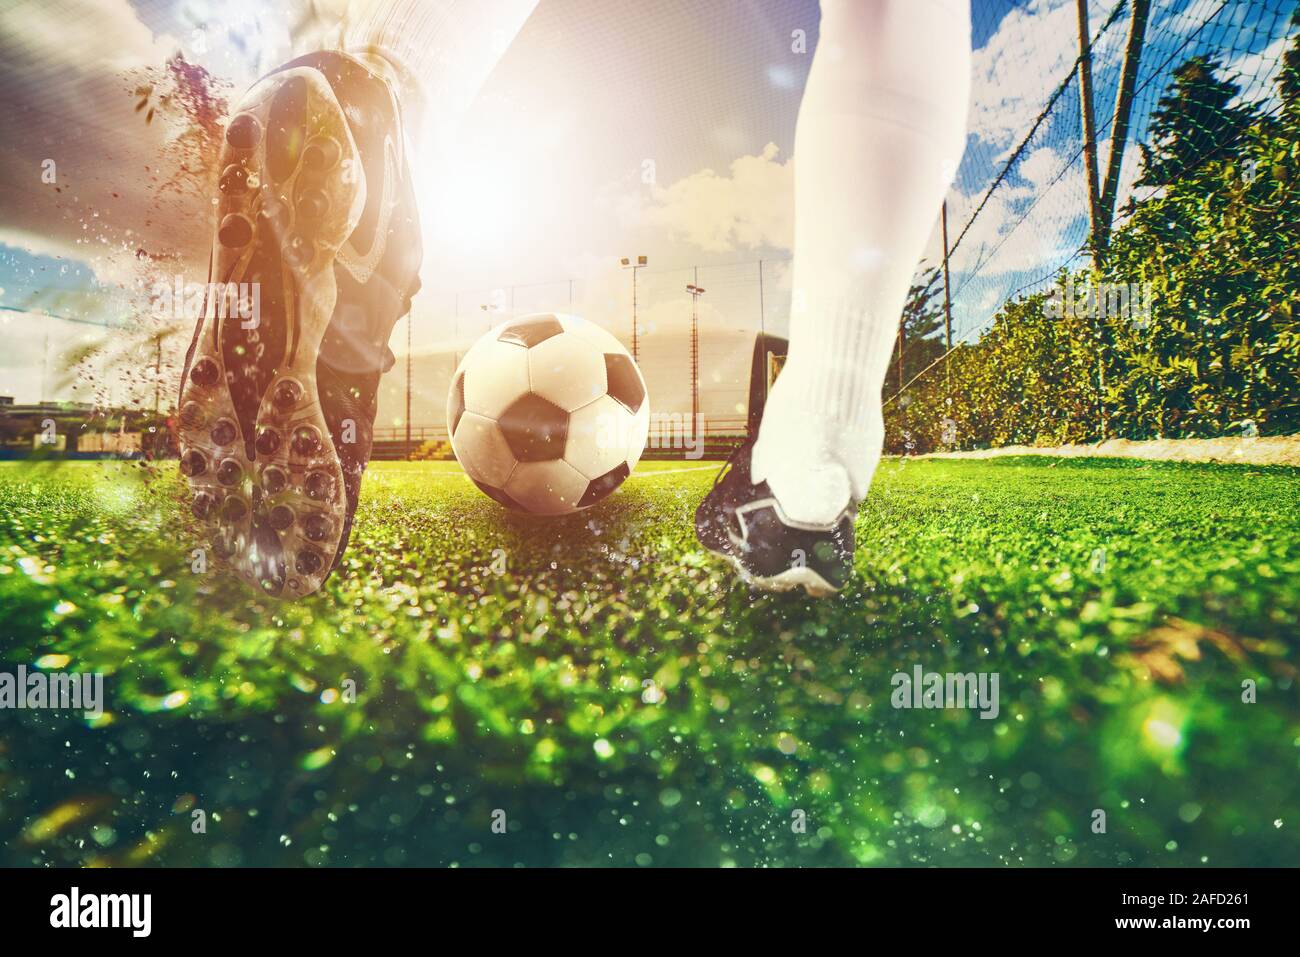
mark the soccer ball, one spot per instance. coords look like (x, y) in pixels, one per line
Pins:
(548, 414)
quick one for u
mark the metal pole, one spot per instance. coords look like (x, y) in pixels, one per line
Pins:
(157, 372)
(410, 316)
(635, 354)
(695, 350)
(947, 306)
(900, 359)
(1137, 29)
(1094, 199)
(1089, 128)
(947, 287)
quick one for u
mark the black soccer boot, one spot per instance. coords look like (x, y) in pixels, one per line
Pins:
(743, 522)
(315, 206)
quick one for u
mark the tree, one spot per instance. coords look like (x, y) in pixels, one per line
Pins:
(1193, 122)
(1288, 81)
(921, 320)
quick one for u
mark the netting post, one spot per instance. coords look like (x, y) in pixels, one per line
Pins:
(1137, 29)
(636, 355)
(695, 291)
(1094, 200)
(157, 373)
(1089, 127)
(900, 359)
(947, 301)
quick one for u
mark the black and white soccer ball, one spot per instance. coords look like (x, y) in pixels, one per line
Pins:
(548, 413)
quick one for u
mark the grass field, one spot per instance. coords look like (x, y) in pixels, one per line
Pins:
(623, 701)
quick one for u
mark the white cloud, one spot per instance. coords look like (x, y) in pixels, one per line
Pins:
(1018, 68)
(84, 36)
(1256, 73)
(72, 65)
(750, 208)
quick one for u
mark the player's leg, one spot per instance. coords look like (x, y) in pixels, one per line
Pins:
(443, 50)
(882, 127)
(880, 133)
(316, 212)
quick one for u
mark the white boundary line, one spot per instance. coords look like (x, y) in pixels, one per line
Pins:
(693, 468)
(441, 474)
(424, 472)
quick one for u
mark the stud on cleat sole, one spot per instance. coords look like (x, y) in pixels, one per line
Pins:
(224, 433)
(233, 509)
(268, 442)
(318, 486)
(316, 527)
(281, 518)
(288, 393)
(235, 231)
(274, 480)
(308, 562)
(322, 154)
(193, 463)
(229, 472)
(244, 132)
(306, 441)
(205, 373)
(201, 506)
(234, 180)
(192, 415)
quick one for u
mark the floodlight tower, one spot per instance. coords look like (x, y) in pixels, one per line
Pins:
(628, 262)
(696, 292)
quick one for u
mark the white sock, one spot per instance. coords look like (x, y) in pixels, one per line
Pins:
(881, 130)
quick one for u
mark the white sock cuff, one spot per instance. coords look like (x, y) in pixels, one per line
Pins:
(839, 352)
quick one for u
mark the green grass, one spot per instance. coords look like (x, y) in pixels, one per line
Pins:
(500, 663)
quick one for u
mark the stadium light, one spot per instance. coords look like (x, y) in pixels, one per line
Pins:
(627, 263)
(696, 292)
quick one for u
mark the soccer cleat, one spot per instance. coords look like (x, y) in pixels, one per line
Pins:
(315, 225)
(743, 522)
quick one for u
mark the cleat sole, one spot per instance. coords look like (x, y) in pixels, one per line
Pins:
(254, 479)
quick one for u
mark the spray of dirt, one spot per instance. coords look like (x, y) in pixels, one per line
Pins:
(189, 105)
(194, 104)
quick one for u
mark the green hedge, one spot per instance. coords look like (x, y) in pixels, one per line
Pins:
(1218, 353)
